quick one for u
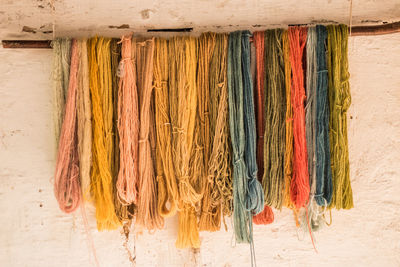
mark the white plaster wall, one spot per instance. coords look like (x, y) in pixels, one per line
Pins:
(34, 232)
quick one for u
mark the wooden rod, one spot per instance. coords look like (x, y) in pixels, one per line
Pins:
(355, 31)
(376, 29)
(26, 44)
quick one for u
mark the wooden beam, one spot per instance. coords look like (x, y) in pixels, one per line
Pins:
(355, 31)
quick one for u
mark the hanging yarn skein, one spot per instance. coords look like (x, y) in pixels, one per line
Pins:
(247, 191)
(311, 84)
(61, 68)
(66, 181)
(219, 197)
(267, 215)
(166, 179)
(102, 150)
(288, 169)
(299, 187)
(124, 212)
(339, 102)
(128, 125)
(323, 190)
(183, 109)
(210, 217)
(274, 136)
(84, 120)
(147, 215)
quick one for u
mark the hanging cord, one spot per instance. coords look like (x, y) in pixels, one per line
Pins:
(102, 110)
(147, 215)
(66, 182)
(267, 215)
(339, 102)
(274, 136)
(299, 188)
(166, 179)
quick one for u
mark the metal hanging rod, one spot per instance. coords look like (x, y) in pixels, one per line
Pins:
(387, 28)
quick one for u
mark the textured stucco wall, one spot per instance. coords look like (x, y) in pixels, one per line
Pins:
(34, 232)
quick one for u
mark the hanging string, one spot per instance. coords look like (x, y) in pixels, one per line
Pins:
(274, 137)
(168, 194)
(102, 110)
(66, 181)
(84, 120)
(267, 215)
(128, 125)
(323, 190)
(339, 102)
(61, 67)
(288, 157)
(147, 215)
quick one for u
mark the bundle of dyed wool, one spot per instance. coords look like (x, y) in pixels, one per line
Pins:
(147, 129)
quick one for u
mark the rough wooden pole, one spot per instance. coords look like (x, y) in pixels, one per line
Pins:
(355, 31)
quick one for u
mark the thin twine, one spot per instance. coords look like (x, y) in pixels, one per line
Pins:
(66, 182)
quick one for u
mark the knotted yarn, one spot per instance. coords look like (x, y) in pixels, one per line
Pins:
(102, 123)
(66, 179)
(299, 187)
(339, 102)
(168, 194)
(323, 190)
(267, 215)
(147, 215)
(275, 119)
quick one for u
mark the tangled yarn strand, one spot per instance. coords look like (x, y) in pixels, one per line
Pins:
(66, 182)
